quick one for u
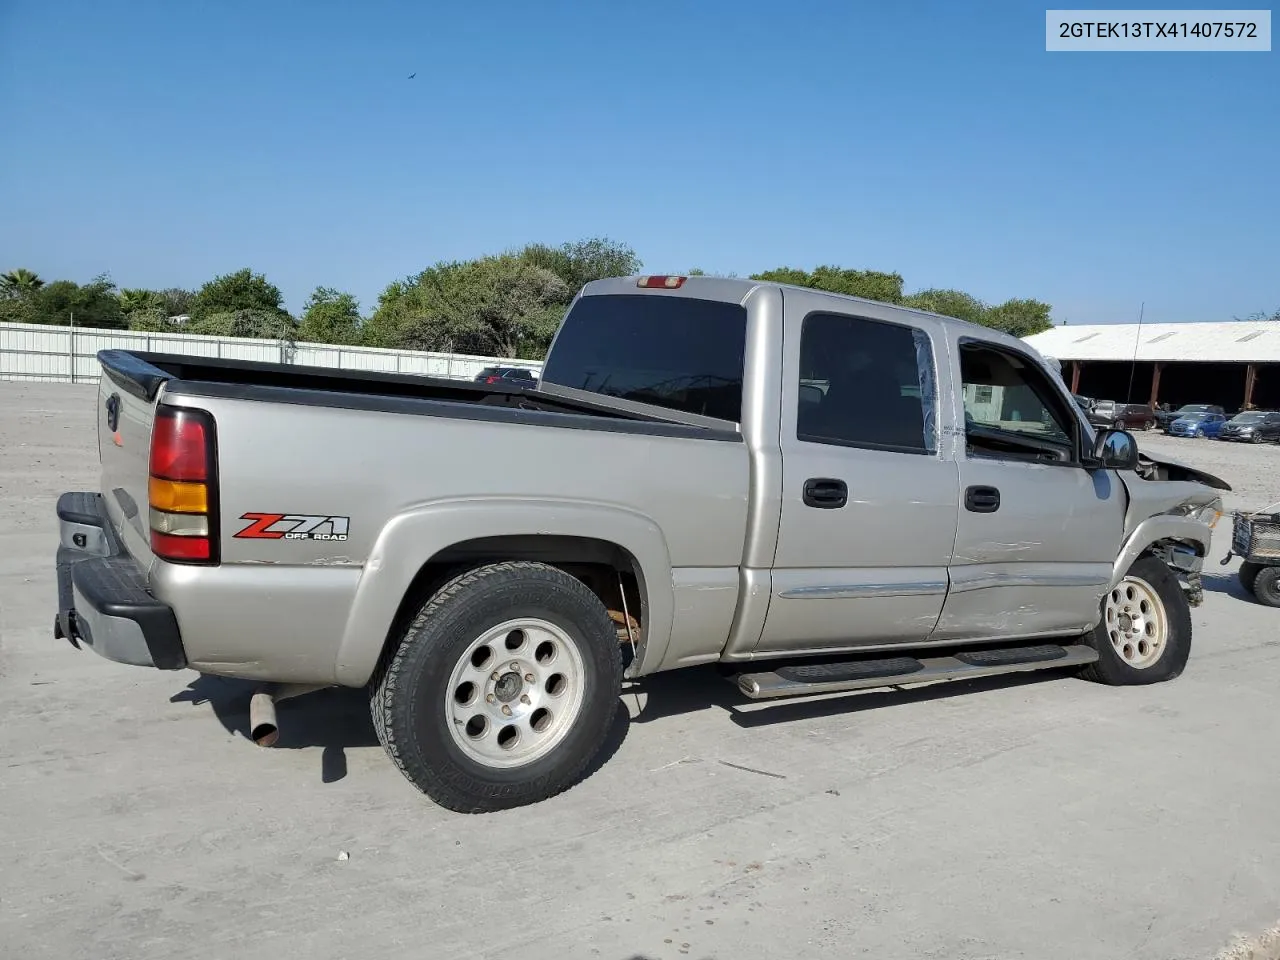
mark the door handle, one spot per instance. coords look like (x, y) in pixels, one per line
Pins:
(825, 493)
(982, 499)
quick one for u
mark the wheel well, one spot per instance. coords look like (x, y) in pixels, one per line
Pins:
(608, 571)
(1165, 547)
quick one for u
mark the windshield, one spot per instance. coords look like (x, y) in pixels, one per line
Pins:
(1195, 416)
(1248, 417)
(1194, 408)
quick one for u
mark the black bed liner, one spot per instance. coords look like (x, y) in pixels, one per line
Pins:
(143, 374)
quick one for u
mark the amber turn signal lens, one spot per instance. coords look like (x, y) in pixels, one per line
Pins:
(175, 496)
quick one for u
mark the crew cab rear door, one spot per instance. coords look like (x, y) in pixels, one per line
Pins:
(868, 497)
(1037, 533)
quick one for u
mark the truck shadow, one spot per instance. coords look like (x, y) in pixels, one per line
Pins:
(335, 719)
(697, 688)
(1226, 583)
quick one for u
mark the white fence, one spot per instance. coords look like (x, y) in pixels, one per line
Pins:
(69, 354)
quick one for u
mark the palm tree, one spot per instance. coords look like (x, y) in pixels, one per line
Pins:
(20, 283)
(134, 299)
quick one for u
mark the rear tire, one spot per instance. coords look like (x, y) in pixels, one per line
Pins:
(1144, 635)
(468, 729)
(1266, 586)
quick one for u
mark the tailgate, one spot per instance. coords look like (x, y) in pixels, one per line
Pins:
(127, 395)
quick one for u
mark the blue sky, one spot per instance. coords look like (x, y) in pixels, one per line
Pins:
(167, 142)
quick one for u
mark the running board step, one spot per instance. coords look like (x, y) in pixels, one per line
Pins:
(806, 679)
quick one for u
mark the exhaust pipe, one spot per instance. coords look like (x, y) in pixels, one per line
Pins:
(263, 728)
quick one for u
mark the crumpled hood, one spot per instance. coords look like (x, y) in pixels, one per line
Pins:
(1164, 468)
(1161, 485)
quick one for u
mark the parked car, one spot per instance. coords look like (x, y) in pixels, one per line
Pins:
(1253, 426)
(677, 490)
(1197, 425)
(1166, 417)
(1084, 403)
(514, 376)
(1121, 416)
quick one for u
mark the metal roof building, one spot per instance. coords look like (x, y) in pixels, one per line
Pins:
(1236, 364)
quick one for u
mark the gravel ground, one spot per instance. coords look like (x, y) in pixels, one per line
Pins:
(1037, 818)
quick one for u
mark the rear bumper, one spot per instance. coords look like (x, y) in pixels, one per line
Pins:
(103, 601)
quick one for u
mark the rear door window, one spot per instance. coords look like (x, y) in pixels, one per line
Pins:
(681, 353)
(865, 383)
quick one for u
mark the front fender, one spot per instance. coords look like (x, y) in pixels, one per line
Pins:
(1155, 529)
(411, 539)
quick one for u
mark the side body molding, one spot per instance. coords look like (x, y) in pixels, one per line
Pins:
(413, 537)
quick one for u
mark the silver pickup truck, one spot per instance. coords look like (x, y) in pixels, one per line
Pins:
(816, 493)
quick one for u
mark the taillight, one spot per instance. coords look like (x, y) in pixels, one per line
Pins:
(663, 282)
(181, 486)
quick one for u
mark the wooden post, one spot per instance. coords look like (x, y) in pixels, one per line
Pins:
(1250, 378)
(1075, 376)
(1155, 384)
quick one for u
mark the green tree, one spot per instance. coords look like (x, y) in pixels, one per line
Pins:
(261, 324)
(237, 292)
(18, 310)
(94, 304)
(868, 284)
(948, 303)
(20, 283)
(177, 302)
(500, 305)
(152, 319)
(330, 316)
(407, 310)
(581, 262)
(134, 299)
(1020, 317)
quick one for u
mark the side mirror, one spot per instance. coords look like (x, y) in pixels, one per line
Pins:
(1115, 450)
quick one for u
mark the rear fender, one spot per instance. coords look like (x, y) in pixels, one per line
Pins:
(411, 539)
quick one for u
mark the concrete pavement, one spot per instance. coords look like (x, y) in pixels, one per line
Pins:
(1037, 818)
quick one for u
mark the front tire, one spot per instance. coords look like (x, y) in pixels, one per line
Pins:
(503, 690)
(1144, 635)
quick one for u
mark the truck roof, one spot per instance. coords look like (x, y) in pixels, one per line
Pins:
(736, 290)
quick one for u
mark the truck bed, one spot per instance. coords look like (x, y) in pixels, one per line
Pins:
(388, 473)
(143, 373)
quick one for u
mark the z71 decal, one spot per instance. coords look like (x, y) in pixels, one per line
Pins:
(293, 526)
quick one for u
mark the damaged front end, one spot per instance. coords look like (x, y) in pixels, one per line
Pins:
(1172, 516)
(1150, 468)
(1187, 564)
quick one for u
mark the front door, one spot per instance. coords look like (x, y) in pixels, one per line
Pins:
(869, 503)
(1037, 533)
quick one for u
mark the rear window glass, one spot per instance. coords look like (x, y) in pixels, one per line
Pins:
(676, 352)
